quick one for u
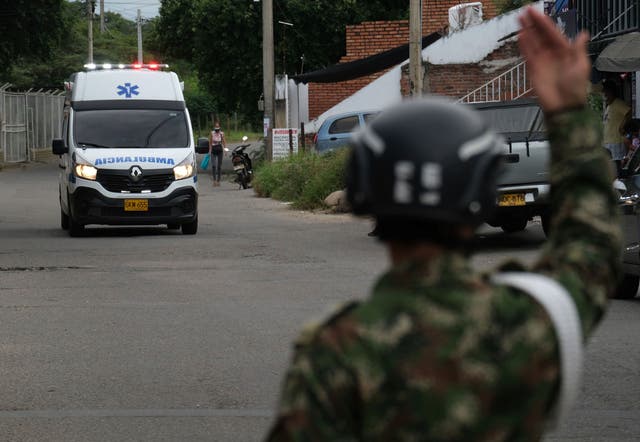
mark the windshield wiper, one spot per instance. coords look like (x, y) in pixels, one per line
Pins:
(84, 144)
(155, 129)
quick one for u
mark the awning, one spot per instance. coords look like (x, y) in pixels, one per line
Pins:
(364, 66)
(623, 55)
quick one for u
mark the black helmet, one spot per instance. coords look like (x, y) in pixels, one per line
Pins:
(428, 160)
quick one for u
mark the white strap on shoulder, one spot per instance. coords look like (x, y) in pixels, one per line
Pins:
(563, 313)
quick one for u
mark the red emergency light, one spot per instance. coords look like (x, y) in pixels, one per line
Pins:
(109, 66)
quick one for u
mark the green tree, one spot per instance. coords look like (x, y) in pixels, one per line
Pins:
(509, 5)
(32, 27)
(223, 38)
(177, 27)
(67, 55)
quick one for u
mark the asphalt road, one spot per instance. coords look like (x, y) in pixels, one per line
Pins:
(144, 334)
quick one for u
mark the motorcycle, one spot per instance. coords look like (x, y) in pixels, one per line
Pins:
(242, 164)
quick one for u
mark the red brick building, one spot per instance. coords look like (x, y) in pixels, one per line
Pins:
(370, 38)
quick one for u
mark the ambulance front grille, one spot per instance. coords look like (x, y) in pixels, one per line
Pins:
(122, 181)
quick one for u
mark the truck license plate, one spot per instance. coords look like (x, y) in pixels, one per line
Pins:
(511, 199)
(136, 205)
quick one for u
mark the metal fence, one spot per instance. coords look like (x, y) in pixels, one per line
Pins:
(28, 122)
(606, 18)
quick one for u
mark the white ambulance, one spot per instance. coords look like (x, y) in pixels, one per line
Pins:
(127, 155)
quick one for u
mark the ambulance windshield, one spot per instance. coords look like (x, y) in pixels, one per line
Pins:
(131, 128)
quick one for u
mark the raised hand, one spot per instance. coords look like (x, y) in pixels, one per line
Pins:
(558, 67)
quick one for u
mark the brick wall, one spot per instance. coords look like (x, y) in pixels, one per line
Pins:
(456, 80)
(363, 40)
(369, 38)
(435, 13)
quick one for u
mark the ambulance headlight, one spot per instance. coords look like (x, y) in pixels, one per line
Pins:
(86, 171)
(185, 169)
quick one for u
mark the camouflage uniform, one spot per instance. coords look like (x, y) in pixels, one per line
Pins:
(440, 353)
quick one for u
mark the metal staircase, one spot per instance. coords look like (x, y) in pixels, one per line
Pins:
(508, 86)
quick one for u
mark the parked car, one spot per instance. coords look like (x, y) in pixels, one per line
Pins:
(336, 129)
(629, 203)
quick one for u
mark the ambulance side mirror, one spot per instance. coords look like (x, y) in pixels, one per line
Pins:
(203, 145)
(58, 147)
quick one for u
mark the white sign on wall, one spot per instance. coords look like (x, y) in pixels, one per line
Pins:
(280, 142)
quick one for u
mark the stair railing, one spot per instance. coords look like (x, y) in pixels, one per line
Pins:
(507, 86)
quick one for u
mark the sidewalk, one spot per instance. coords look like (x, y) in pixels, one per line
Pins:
(53, 161)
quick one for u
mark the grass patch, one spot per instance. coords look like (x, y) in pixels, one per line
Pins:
(232, 136)
(236, 137)
(305, 179)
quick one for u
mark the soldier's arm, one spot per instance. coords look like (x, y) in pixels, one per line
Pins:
(583, 252)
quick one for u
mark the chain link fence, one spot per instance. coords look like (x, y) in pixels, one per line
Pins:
(28, 122)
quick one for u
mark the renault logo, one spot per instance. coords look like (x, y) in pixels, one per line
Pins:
(136, 173)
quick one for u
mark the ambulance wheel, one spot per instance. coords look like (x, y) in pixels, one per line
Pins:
(75, 228)
(190, 228)
(64, 220)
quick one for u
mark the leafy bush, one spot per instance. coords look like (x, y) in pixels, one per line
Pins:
(329, 177)
(509, 5)
(305, 179)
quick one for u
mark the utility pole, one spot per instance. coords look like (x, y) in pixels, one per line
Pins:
(268, 71)
(139, 21)
(415, 47)
(101, 16)
(90, 6)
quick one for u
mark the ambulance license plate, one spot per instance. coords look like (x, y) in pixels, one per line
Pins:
(511, 199)
(136, 205)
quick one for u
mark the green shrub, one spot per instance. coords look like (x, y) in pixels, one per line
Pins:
(305, 179)
(328, 177)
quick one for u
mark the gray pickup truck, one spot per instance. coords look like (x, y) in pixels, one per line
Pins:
(524, 187)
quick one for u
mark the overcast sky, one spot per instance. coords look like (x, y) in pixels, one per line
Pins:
(129, 8)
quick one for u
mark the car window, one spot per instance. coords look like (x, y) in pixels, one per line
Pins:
(369, 117)
(343, 125)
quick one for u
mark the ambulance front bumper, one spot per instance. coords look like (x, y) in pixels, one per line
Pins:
(88, 206)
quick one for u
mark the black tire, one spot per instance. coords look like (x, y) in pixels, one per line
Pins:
(190, 228)
(64, 220)
(243, 181)
(628, 287)
(173, 226)
(75, 229)
(514, 225)
(546, 224)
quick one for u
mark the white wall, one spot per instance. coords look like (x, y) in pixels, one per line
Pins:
(298, 104)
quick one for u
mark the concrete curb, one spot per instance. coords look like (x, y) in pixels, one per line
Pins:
(12, 166)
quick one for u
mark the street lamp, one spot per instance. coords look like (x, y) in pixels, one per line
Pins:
(284, 45)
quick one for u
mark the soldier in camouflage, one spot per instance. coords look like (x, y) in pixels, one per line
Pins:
(438, 352)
